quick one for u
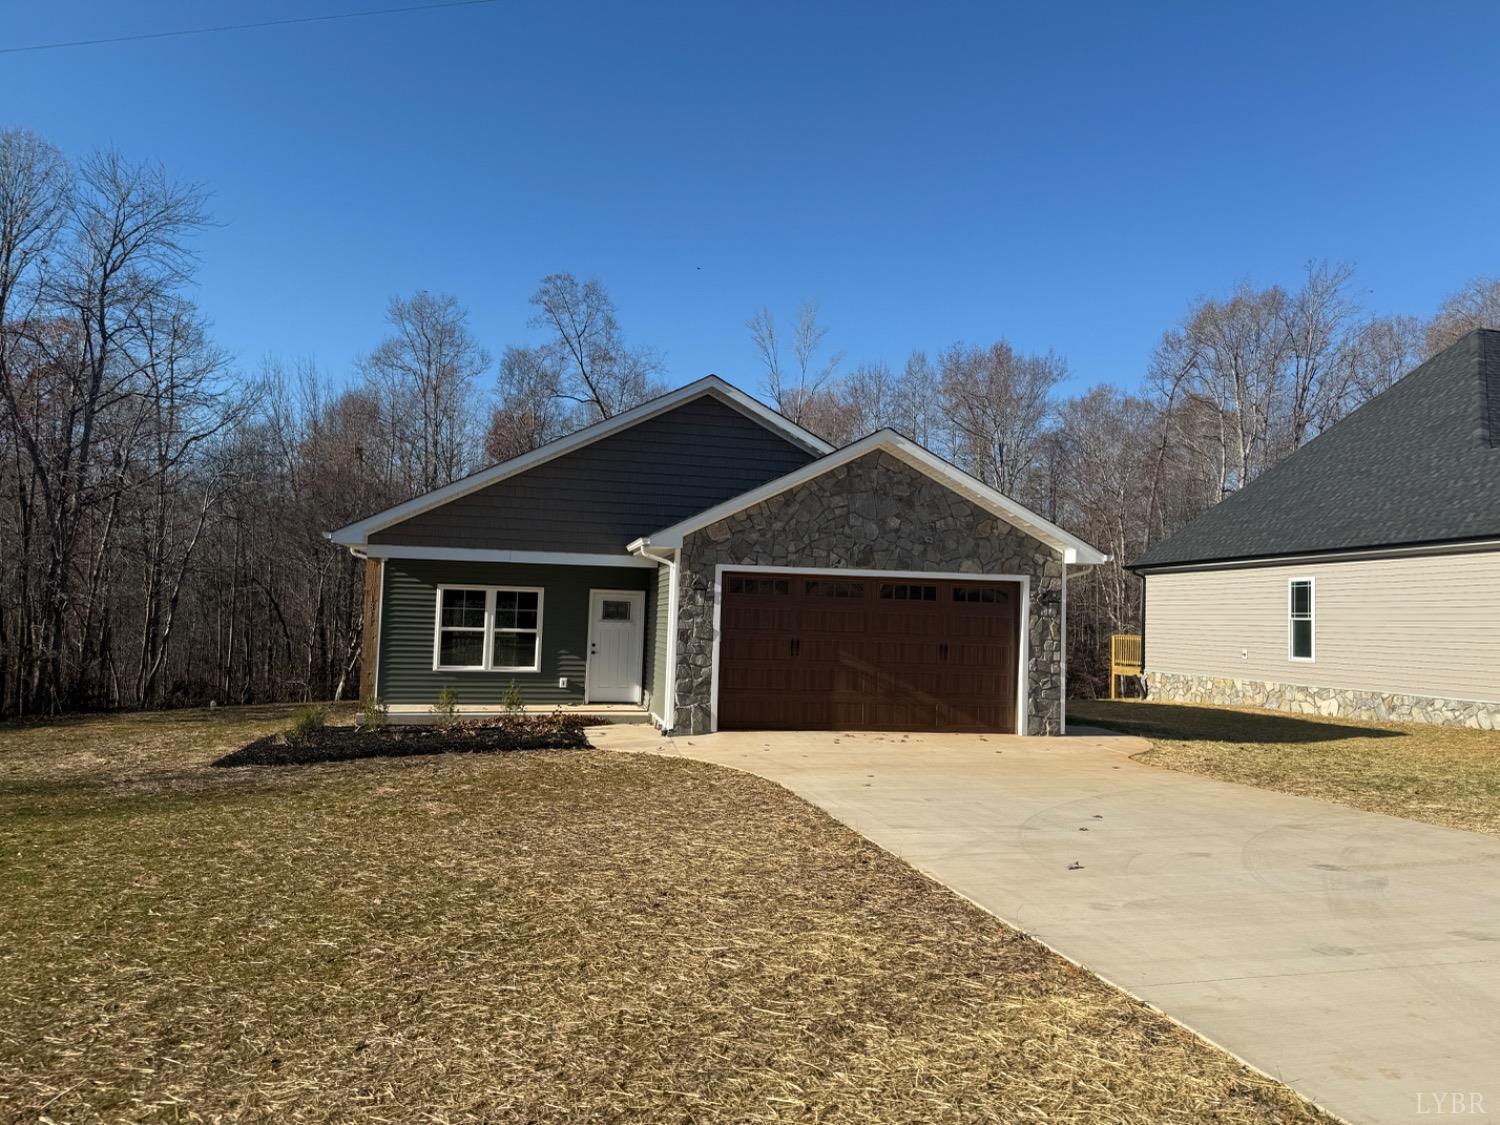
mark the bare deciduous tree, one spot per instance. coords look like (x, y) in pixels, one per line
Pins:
(998, 403)
(1273, 368)
(596, 369)
(802, 392)
(424, 374)
(1318, 321)
(530, 411)
(161, 516)
(1386, 349)
(1475, 305)
(118, 249)
(182, 408)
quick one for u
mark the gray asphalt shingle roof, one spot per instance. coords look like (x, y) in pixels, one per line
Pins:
(1419, 463)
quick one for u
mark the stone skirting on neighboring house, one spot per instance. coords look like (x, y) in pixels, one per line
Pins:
(875, 513)
(1333, 702)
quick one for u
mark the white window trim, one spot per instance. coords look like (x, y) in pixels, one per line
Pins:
(1312, 618)
(489, 629)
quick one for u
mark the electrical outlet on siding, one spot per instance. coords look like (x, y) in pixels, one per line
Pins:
(562, 681)
(1244, 654)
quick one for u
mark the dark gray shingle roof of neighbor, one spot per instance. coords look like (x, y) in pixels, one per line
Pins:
(1419, 463)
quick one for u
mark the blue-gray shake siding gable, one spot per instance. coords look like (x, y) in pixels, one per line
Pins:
(604, 495)
(408, 620)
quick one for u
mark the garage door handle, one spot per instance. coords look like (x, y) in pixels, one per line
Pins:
(942, 650)
(796, 646)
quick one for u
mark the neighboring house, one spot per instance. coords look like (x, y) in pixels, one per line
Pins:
(1361, 575)
(703, 558)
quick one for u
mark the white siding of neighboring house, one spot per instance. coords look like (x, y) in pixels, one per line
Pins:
(1423, 625)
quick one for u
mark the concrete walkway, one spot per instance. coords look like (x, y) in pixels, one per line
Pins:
(1354, 956)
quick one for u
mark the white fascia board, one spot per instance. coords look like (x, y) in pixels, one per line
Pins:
(1341, 554)
(1074, 551)
(358, 533)
(760, 412)
(478, 554)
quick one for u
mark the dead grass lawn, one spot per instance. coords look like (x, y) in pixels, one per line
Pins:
(552, 936)
(1442, 775)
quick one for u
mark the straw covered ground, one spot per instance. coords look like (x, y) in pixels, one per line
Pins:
(543, 936)
(1441, 775)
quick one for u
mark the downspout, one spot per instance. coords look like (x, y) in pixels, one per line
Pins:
(1145, 676)
(360, 552)
(669, 712)
(1063, 708)
(1065, 579)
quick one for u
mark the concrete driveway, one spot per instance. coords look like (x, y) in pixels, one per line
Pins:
(1354, 956)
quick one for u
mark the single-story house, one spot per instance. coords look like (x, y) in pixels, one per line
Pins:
(704, 559)
(1361, 575)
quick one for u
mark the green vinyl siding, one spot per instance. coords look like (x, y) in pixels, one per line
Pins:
(656, 641)
(408, 621)
(648, 642)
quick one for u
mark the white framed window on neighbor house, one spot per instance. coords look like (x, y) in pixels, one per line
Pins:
(1301, 619)
(488, 629)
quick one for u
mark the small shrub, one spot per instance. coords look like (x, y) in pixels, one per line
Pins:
(307, 720)
(446, 707)
(375, 713)
(511, 702)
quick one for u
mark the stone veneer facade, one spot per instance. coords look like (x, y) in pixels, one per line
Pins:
(875, 513)
(1335, 702)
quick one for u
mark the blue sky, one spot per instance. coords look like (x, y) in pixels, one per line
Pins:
(1065, 176)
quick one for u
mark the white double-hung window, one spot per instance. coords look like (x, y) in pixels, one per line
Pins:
(488, 629)
(1301, 619)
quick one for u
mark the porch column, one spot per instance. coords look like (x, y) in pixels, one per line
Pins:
(369, 657)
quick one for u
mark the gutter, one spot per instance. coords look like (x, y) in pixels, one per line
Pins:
(641, 547)
(357, 550)
(1331, 554)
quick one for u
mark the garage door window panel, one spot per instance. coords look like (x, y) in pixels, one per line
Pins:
(907, 592)
(981, 595)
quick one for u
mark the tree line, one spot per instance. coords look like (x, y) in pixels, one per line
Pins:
(162, 511)
(1234, 386)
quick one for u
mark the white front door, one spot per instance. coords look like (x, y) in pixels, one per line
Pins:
(617, 630)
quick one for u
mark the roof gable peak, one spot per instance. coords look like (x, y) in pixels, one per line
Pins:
(1072, 549)
(357, 534)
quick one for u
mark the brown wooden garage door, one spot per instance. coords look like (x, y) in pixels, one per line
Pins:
(819, 652)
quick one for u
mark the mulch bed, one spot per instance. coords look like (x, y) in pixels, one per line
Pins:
(346, 744)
